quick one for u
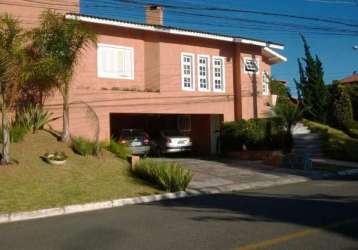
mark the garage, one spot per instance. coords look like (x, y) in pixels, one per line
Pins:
(203, 129)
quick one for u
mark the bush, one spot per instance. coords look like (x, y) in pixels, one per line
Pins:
(17, 133)
(84, 147)
(254, 134)
(167, 176)
(335, 143)
(33, 118)
(120, 150)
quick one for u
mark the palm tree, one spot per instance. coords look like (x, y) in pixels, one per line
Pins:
(60, 42)
(290, 114)
(12, 41)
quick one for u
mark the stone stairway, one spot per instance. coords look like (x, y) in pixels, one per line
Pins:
(307, 145)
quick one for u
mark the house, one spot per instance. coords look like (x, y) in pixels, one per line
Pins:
(352, 79)
(152, 76)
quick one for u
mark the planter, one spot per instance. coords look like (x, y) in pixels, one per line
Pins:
(254, 155)
(55, 158)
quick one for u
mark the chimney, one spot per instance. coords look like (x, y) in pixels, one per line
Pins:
(154, 14)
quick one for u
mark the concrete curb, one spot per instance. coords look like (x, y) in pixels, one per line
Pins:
(79, 208)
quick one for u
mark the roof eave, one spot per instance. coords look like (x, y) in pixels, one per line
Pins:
(273, 56)
(154, 28)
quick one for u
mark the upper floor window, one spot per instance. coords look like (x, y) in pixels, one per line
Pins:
(203, 73)
(265, 84)
(218, 74)
(116, 62)
(251, 65)
(187, 65)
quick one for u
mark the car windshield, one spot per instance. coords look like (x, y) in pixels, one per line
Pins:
(130, 133)
(172, 133)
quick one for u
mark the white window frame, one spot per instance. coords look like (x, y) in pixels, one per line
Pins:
(257, 64)
(223, 77)
(265, 85)
(192, 88)
(102, 74)
(208, 88)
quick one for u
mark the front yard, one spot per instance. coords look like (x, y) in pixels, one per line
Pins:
(33, 184)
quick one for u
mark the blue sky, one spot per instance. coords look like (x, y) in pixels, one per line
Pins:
(332, 42)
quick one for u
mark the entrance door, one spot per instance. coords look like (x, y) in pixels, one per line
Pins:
(215, 129)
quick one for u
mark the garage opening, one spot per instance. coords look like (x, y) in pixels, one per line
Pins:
(203, 129)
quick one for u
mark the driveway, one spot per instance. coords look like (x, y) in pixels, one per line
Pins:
(230, 175)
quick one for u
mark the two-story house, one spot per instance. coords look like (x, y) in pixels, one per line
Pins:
(151, 76)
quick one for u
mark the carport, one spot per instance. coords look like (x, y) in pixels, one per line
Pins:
(204, 129)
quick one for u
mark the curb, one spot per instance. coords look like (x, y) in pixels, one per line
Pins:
(79, 208)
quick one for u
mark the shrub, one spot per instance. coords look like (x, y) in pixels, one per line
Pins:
(120, 150)
(17, 133)
(342, 111)
(253, 134)
(167, 176)
(335, 143)
(34, 118)
(84, 147)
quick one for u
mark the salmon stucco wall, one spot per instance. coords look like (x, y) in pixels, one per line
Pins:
(28, 12)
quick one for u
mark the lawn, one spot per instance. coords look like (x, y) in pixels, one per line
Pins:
(335, 143)
(33, 184)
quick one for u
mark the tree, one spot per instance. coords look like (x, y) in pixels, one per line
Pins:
(60, 41)
(342, 111)
(12, 41)
(290, 114)
(312, 91)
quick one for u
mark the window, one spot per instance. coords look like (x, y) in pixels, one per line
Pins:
(265, 84)
(184, 123)
(251, 65)
(218, 74)
(203, 73)
(187, 65)
(115, 62)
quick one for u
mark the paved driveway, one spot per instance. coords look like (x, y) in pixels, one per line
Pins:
(229, 175)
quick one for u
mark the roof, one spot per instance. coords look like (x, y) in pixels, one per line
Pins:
(267, 46)
(350, 79)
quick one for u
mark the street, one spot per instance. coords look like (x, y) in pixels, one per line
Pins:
(313, 215)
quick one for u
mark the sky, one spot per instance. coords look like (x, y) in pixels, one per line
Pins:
(332, 39)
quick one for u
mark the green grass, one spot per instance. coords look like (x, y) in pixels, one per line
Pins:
(335, 143)
(34, 184)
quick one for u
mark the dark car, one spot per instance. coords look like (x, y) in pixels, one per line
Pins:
(137, 140)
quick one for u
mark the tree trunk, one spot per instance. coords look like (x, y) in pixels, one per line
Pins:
(65, 137)
(5, 160)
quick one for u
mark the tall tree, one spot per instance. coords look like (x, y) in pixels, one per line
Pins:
(61, 42)
(11, 63)
(311, 87)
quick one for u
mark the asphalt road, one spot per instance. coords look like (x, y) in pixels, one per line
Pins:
(313, 215)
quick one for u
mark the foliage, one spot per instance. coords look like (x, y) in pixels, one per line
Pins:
(281, 90)
(84, 147)
(12, 42)
(312, 91)
(33, 118)
(342, 112)
(335, 143)
(17, 133)
(59, 42)
(352, 90)
(169, 176)
(253, 134)
(289, 114)
(120, 150)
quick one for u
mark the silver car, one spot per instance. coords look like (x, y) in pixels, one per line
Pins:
(173, 141)
(137, 140)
